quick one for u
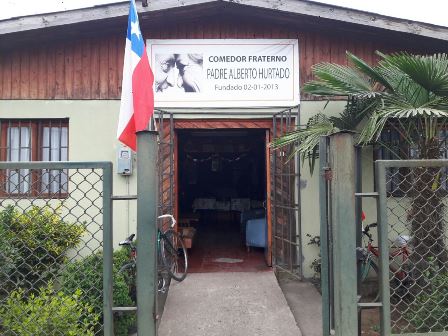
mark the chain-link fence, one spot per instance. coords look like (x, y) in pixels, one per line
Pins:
(415, 197)
(53, 222)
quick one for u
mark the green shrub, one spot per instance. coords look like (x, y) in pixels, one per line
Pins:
(8, 259)
(47, 313)
(316, 264)
(429, 310)
(41, 238)
(87, 274)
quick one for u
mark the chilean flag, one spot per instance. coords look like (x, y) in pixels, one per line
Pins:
(137, 97)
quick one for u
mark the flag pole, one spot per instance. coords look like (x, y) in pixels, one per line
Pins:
(136, 109)
(147, 233)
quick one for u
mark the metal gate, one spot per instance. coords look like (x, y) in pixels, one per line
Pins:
(55, 246)
(412, 224)
(285, 198)
(165, 125)
(406, 259)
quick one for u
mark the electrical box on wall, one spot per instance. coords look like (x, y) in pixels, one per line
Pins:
(124, 161)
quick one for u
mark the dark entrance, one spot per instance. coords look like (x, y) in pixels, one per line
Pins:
(222, 196)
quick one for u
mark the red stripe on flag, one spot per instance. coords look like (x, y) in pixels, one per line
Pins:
(143, 95)
(128, 135)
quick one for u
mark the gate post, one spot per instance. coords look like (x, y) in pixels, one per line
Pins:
(342, 201)
(108, 251)
(324, 237)
(146, 232)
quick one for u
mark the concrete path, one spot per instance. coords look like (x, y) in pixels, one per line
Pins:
(227, 304)
(305, 303)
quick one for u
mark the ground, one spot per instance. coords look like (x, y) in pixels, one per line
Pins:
(370, 325)
(305, 303)
(228, 304)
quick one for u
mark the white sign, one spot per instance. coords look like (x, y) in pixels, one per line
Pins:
(225, 73)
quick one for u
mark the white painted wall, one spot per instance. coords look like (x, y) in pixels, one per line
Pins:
(310, 187)
(92, 134)
(92, 137)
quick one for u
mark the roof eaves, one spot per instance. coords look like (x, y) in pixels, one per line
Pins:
(299, 7)
(349, 15)
(102, 12)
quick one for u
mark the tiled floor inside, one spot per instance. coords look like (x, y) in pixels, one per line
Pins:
(221, 248)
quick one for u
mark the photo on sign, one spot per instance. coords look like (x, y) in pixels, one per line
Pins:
(178, 72)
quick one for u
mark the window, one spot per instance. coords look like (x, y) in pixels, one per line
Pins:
(393, 147)
(34, 140)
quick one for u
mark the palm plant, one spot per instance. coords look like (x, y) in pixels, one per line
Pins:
(404, 92)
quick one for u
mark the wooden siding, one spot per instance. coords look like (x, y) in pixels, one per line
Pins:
(91, 68)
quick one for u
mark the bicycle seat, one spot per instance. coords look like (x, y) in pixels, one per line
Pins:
(371, 225)
(127, 241)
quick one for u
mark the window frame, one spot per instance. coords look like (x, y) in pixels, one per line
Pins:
(36, 127)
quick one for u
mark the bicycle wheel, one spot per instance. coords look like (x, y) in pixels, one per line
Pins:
(368, 289)
(174, 254)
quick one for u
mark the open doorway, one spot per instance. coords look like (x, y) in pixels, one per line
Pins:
(222, 198)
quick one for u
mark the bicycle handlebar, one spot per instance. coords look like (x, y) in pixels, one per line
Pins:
(129, 240)
(173, 221)
(367, 229)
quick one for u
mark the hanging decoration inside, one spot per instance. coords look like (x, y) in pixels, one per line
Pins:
(216, 157)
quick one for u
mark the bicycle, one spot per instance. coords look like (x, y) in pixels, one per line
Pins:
(130, 268)
(171, 253)
(367, 256)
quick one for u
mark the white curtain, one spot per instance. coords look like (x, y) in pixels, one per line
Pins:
(19, 150)
(54, 148)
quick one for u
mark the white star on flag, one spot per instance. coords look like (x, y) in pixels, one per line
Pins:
(135, 30)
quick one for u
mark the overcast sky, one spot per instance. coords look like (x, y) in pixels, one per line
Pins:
(431, 11)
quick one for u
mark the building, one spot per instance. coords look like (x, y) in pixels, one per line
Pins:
(60, 76)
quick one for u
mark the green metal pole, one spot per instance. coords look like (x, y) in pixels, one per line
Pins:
(146, 232)
(107, 251)
(358, 200)
(380, 171)
(325, 267)
(342, 160)
(358, 220)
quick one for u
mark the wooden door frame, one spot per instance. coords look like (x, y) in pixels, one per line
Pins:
(216, 124)
(268, 135)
